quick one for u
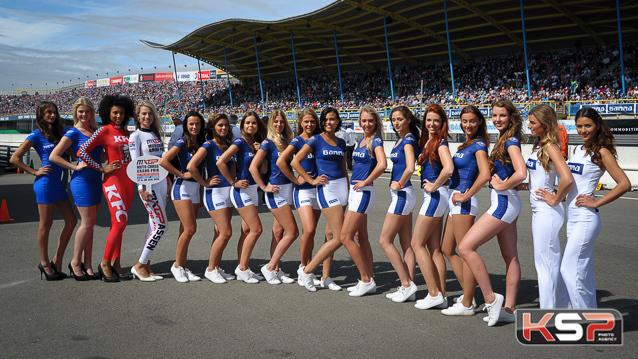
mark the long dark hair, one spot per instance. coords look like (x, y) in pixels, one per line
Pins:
(324, 116)
(211, 134)
(430, 149)
(193, 144)
(603, 136)
(415, 124)
(51, 131)
(261, 133)
(513, 130)
(123, 101)
(481, 132)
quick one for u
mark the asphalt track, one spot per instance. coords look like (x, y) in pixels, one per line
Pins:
(164, 319)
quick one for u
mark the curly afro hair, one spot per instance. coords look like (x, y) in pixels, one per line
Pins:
(123, 101)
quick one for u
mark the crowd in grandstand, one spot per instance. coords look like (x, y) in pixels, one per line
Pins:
(591, 74)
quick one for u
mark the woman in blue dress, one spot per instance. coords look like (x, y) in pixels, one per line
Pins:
(398, 219)
(86, 186)
(48, 188)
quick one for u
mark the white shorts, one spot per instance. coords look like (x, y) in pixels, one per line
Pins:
(242, 197)
(185, 190)
(305, 197)
(217, 198)
(470, 207)
(403, 201)
(335, 193)
(361, 201)
(278, 200)
(506, 205)
(434, 204)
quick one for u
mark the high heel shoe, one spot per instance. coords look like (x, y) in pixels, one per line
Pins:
(124, 276)
(49, 277)
(55, 269)
(103, 276)
(143, 279)
(94, 276)
(82, 278)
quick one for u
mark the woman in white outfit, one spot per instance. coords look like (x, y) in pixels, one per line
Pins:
(587, 165)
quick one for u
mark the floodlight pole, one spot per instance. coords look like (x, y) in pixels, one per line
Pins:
(179, 97)
(449, 48)
(228, 78)
(529, 86)
(294, 60)
(201, 83)
(259, 73)
(622, 62)
(334, 34)
(387, 50)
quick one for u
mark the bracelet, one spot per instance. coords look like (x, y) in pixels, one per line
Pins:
(400, 185)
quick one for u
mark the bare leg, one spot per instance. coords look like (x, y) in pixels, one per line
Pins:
(391, 227)
(250, 217)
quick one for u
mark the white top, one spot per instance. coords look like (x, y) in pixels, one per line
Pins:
(539, 178)
(586, 177)
(144, 142)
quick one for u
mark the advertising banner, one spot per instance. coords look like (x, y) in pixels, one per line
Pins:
(102, 82)
(614, 108)
(131, 79)
(204, 75)
(115, 81)
(147, 77)
(186, 76)
(89, 84)
(164, 76)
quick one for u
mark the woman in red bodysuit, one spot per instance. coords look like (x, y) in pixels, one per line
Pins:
(115, 111)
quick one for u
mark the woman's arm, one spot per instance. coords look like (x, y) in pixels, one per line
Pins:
(89, 145)
(378, 170)
(622, 183)
(481, 179)
(282, 163)
(409, 168)
(255, 170)
(56, 155)
(165, 162)
(223, 168)
(16, 160)
(519, 175)
(566, 179)
(446, 172)
(193, 165)
(296, 165)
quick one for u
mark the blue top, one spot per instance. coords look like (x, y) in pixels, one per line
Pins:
(397, 156)
(329, 158)
(429, 171)
(504, 170)
(466, 167)
(77, 139)
(184, 156)
(309, 164)
(213, 154)
(244, 157)
(364, 164)
(272, 154)
(43, 147)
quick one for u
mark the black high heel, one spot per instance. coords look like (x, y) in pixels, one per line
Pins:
(122, 277)
(84, 277)
(103, 276)
(94, 276)
(49, 277)
(55, 269)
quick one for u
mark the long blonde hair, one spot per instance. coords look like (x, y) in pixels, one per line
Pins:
(156, 127)
(546, 116)
(83, 101)
(513, 130)
(282, 139)
(378, 126)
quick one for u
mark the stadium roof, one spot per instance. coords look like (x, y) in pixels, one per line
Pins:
(416, 34)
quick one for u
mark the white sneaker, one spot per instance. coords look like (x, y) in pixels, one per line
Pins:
(255, 275)
(246, 276)
(191, 277)
(364, 288)
(392, 294)
(315, 281)
(404, 294)
(214, 276)
(505, 317)
(306, 280)
(354, 288)
(284, 278)
(494, 309)
(179, 274)
(225, 275)
(459, 299)
(429, 301)
(458, 309)
(330, 284)
(271, 276)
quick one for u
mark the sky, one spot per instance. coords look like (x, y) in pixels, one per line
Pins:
(46, 42)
